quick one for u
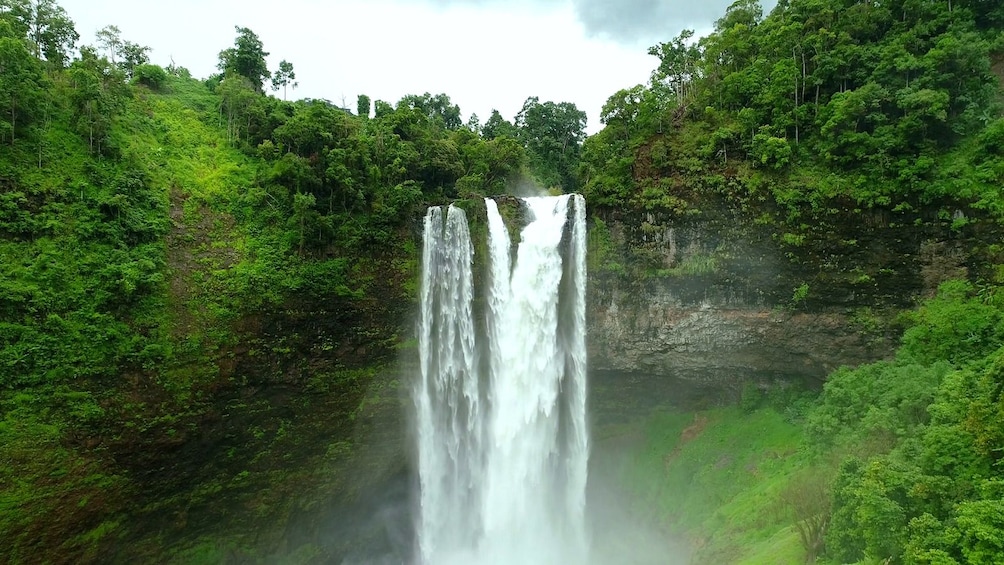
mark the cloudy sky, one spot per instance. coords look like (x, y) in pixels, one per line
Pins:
(484, 54)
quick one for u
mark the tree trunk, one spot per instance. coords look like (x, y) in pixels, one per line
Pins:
(303, 223)
(795, 113)
(804, 73)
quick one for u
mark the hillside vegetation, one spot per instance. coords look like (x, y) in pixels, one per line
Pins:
(822, 104)
(204, 288)
(821, 121)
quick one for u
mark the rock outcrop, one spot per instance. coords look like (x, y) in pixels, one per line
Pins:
(721, 299)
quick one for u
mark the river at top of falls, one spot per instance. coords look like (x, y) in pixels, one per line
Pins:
(501, 398)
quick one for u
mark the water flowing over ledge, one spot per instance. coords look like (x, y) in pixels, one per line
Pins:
(500, 402)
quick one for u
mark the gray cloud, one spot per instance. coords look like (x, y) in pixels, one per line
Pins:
(645, 21)
(633, 21)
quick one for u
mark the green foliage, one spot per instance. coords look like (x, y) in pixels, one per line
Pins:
(828, 100)
(46, 26)
(283, 77)
(799, 295)
(126, 54)
(99, 97)
(981, 527)
(151, 76)
(497, 126)
(771, 151)
(246, 59)
(953, 327)
(923, 487)
(147, 223)
(21, 85)
(900, 461)
(601, 249)
(439, 109)
(552, 134)
(363, 106)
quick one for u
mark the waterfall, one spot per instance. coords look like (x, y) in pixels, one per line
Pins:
(500, 407)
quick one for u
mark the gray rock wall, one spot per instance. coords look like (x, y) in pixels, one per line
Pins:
(721, 299)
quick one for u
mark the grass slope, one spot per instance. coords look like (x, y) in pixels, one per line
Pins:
(718, 478)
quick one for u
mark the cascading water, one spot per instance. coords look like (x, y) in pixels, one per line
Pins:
(501, 424)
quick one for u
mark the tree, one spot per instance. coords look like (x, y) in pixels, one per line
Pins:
(552, 134)
(303, 211)
(246, 58)
(20, 81)
(99, 93)
(45, 24)
(110, 37)
(284, 77)
(126, 54)
(133, 55)
(152, 76)
(678, 63)
(237, 97)
(363, 106)
(497, 126)
(438, 108)
(474, 123)
(382, 109)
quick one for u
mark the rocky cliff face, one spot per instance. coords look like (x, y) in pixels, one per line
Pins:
(726, 298)
(721, 344)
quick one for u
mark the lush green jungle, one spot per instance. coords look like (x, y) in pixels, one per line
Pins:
(206, 290)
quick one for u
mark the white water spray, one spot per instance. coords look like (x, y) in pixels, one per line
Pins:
(502, 437)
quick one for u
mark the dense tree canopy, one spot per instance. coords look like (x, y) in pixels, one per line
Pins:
(45, 25)
(871, 97)
(552, 134)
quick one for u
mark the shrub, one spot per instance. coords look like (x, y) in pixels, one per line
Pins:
(151, 76)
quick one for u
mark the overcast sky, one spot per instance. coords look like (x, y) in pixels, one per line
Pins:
(483, 53)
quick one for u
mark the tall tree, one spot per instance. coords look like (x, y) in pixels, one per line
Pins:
(126, 54)
(497, 126)
(246, 58)
(46, 25)
(678, 63)
(237, 98)
(363, 106)
(20, 82)
(284, 77)
(110, 37)
(438, 108)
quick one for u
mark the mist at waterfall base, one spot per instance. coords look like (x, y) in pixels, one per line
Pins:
(500, 423)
